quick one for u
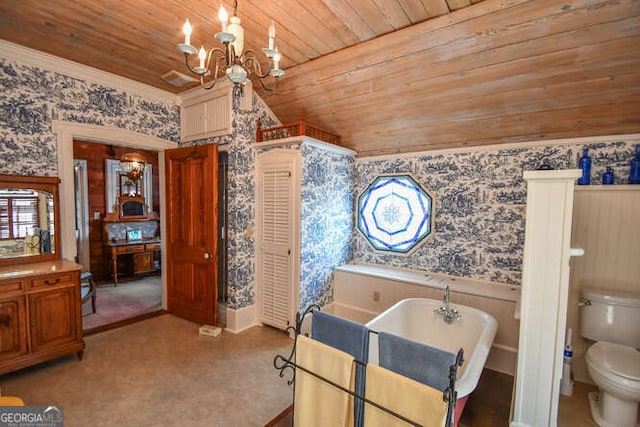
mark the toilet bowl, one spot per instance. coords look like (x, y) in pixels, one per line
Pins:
(615, 368)
(613, 361)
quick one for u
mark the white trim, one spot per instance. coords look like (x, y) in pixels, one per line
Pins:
(632, 138)
(82, 212)
(65, 134)
(17, 53)
(241, 319)
(306, 140)
(544, 295)
(552, 175)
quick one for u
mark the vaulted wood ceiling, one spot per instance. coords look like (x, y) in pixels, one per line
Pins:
(390, 76)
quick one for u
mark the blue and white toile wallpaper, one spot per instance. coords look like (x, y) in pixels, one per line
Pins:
(32, 97)
(480, 200)
(327, 221)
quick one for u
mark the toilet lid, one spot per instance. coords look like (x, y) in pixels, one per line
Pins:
(618, 359)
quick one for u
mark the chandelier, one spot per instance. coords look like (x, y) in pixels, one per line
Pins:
(133, 164)
(239, 65)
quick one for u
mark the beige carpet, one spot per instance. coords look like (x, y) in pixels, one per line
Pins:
(127, 300)
(160, 372)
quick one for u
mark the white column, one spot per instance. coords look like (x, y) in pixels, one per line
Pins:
(544, 294)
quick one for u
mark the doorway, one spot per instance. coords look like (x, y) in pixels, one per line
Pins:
(139, 292)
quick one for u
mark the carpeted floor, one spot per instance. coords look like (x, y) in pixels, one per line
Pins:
(160, 372)
(127, 300)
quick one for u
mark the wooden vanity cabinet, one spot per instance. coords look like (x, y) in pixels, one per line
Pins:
(40, 313)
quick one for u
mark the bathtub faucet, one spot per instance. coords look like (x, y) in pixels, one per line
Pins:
(450, 315)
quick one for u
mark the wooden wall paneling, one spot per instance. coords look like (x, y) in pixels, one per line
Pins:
(606, 226)
(448, 52)
(458, 4)
(353, 20)
(436, 7)
(578, 45)
(304, 25)
(328, 17)
(379, 15)
(415, 10)
(294, 48)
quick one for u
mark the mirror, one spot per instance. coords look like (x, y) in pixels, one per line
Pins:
(118, 185)
(28, 219)
(131, 207)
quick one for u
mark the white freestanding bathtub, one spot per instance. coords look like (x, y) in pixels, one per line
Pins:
(414, 319)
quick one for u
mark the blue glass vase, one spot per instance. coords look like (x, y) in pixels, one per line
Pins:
(634, 171)
(585, 165)
(607, 177)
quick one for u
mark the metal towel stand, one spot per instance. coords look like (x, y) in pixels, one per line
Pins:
(281, 363)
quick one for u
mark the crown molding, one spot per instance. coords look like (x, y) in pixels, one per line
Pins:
(18, 53)
(633, 138)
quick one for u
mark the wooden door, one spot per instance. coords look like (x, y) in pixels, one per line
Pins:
(192, 239)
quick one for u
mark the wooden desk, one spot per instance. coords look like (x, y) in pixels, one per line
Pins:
(142, 251)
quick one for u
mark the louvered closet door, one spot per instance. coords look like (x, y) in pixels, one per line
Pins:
(275, 269)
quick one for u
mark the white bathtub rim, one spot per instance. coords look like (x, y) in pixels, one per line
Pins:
(465, 285)
(467, 382)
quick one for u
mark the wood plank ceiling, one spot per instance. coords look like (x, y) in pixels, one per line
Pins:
(390, 76)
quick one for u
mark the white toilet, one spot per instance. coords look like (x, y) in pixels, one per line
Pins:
(613, 320)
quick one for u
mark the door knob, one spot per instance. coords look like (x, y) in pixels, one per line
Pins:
(207, 255)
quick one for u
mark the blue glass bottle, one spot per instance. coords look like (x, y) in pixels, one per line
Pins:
(634, 171)
(585, 165)
(607, 177)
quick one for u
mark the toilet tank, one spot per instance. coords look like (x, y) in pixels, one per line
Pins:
(612, 316)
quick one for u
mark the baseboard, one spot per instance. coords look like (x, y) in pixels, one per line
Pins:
(502, 359)
(241, 319)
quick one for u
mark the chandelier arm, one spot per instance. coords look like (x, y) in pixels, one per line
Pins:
(267, 88)
(250, 56)
(215, 77)
(193, 70)
(211, 54)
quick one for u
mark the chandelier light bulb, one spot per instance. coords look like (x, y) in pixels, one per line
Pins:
(224, 17)
(272, 35)
(186, 29)
(202, 54)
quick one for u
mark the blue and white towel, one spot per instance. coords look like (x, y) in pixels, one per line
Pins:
(347, 336)
(420, 362)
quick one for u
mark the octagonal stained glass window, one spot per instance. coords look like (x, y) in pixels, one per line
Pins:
(394, 213)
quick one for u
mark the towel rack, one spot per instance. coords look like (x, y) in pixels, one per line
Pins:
(282, 363)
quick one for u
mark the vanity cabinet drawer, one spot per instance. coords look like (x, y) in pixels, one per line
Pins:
(129, 249)
(11, 286)
(152, 246)
(45, 282)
